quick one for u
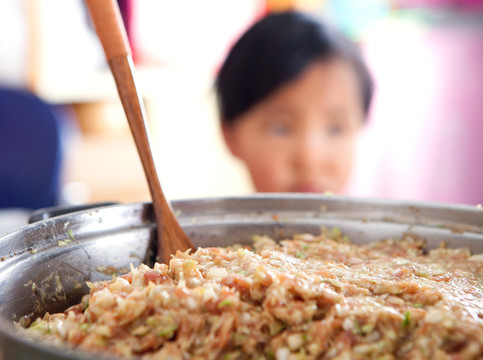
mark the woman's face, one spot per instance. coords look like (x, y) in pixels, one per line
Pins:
(302, 138)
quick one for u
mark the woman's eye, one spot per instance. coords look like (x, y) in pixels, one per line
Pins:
(279, 129)
(335, 130)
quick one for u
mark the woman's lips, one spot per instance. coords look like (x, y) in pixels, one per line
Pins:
(307, 188)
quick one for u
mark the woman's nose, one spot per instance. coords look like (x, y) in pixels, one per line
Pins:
(310, 152)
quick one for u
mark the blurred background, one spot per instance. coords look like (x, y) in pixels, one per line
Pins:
(423, 140)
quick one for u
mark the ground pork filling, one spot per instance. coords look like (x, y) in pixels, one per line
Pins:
(312, 297)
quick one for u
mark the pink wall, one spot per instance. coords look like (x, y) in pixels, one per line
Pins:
(425, 137)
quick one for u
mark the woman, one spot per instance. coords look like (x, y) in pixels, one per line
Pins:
(293, 95)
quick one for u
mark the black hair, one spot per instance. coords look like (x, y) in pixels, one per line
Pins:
(274, 51)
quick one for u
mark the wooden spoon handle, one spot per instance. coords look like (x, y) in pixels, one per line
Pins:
(111, 31)
(109, 27)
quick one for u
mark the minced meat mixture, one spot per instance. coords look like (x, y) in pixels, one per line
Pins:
(312, 297)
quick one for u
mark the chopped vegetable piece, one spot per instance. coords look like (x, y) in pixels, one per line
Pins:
(300, 255)
(336, 232)
(224, 303)
(407, 320)
(152, 321)
(276, 327)
(357, 328)
(168, 332)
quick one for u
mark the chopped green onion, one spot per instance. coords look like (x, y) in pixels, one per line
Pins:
(270, 354)
(224, 303)
(336, 232)
(40, 326)
(239, 338)
(152, 321)
(276, 327)
(366, 329)
(70, 233)
(168, 332)
(357, 328)
(406, 322)
(300, 255)
(421, 273)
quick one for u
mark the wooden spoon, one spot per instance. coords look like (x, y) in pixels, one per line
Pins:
(110, 29)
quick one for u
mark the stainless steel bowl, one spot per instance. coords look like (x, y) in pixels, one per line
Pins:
(44, 266)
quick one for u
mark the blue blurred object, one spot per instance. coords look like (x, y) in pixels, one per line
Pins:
(30, 151)
(355, 17)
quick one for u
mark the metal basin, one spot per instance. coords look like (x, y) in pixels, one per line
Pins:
(44, 266)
